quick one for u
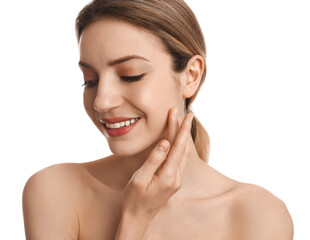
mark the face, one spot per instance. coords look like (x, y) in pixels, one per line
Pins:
(128, 74)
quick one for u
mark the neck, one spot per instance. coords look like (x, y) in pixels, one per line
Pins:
(191, 176)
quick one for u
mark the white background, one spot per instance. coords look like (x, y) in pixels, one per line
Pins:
(254, 103)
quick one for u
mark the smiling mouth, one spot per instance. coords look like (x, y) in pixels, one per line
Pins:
(121, 124)
(120, 128)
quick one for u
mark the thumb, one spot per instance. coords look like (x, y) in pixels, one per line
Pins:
(154, 161)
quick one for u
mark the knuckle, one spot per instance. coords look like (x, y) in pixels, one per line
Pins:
(136, 183)
(169, 183)
(156, 159)
(169, 176)
(178, 185)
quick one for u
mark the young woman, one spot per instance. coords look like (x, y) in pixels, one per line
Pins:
(143, 63)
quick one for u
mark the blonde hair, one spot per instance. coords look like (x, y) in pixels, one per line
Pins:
(177, 27)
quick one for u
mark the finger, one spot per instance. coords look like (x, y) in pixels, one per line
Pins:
(153, 162)
(173, 125)
(187, 151)
(185, 158)
(171, 165)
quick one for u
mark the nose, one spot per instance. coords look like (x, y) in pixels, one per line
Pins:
(108, 95)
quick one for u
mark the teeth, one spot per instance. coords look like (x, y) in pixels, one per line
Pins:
(121, 124)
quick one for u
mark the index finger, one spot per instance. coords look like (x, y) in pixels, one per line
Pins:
(173, 125)
(171, 165)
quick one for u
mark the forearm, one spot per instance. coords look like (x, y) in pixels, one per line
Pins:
(131, 228)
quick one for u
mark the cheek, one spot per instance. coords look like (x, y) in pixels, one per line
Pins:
(154, 99)
(88, 100)
(156, 95)
(164, 94)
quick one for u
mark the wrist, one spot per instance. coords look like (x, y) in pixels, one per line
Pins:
(132, 227)
(137, 219)
(138, 216)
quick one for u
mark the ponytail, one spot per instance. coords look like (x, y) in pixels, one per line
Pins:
(199, 135)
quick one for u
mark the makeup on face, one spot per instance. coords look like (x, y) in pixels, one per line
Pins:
(121, 127)
(138, 90)
(128, 69)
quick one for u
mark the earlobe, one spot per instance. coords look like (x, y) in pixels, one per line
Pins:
(193, 74)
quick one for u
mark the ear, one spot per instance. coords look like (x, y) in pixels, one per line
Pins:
(192, 76)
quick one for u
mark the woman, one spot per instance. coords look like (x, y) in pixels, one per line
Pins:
(143, 64)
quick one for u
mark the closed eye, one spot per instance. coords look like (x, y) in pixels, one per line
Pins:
(132, 78)
(90, 84)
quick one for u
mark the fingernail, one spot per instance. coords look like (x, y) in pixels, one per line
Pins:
(175, 111)
(163, 146)
(179, 120)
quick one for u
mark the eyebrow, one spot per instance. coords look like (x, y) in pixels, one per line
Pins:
(116, 61)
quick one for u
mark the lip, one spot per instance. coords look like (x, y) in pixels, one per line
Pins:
(116, 132)
(116, 119)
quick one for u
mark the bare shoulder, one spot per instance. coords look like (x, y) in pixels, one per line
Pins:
(55, 180)
(260, 214)
(58, 177)
(50, 202)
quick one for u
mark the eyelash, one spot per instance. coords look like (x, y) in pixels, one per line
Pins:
(92, 83)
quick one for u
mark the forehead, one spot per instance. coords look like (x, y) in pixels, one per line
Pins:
(111, 38)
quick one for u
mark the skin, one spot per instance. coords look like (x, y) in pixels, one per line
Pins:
(131, 191)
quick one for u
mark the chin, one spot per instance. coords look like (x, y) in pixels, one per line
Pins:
(130, 150)
(134, 146)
